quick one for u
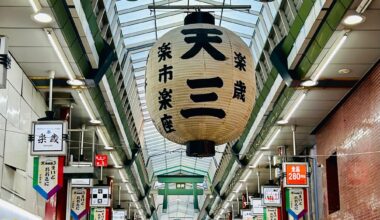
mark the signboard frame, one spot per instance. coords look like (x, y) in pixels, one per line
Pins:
(256, 201)
(101, 155)
(79, 182)
(62, 151)
(286, 184)
(276, 204)
(109, 196)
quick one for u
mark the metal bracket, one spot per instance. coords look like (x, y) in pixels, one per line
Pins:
(5, 61)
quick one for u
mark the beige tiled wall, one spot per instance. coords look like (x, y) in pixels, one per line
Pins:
(20, 104)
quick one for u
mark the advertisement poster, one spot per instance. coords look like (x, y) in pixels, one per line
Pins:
(48, 175)
(272, 213)
(296, 174)
(99, 214)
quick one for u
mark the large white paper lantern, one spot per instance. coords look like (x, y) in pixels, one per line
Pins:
(200, 85)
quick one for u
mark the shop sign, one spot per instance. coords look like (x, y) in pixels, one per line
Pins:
(247, 214)
(296, 174)
(119, 214)
(271, 195)
(81, 182)
(49, 138)
(79, 203)
(296, 202)
(100, 196)
(272, 213)
(48, 175)
(257, 207)
(101, 160)
(99, 214)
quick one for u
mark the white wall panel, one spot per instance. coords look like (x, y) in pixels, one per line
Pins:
(13, 107)
(16, 147)
(14, 75)
(27, 90)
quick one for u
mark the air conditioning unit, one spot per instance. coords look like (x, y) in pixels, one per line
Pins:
(5, 61)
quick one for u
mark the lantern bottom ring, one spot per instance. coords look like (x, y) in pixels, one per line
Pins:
(200, 148)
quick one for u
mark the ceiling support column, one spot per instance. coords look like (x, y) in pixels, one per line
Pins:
(195, 194)
(165, 204)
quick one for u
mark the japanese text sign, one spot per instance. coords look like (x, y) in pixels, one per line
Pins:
(119, 214)
(257, 208)
(79, 203)
(247, 215)
(272, 213)
(271, 195)
(101, 160)
(100, 196)
(49, 138)
(48, 175)
(296, 202)
(296, 174)
(99, 214)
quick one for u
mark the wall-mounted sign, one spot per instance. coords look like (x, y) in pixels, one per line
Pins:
(100, 196)
(296, 202)
(257, 207)
(78, 182)
(79, 202)
(271, 195)
(49, 138)
(101, 160)
(272, 213)
(296, 174)
(48, 175)
(247, 214)
(200, 85)
(119, 214)
(99, 214)
(5, 61)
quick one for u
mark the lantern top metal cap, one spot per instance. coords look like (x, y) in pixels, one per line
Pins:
(199, 17)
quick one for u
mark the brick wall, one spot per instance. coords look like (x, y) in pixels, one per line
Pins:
(355, 129)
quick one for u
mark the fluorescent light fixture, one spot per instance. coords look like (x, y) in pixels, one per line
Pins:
(35, 5)
(309, 83)
(123, 179)
(42, 17)
(294, 108)
(95, 121)
(334, 49)
(86, 106)
(129, 189)
(247, 176)
(258, 160)
(59, 51)
(353, 19)
(270, 142)
(103, 139)
(134, 200)
(75, 82)
(226, 205)
(116, 165)
(239, 187)
(232, 197)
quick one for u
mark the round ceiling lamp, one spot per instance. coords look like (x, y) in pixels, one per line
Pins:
(353, 19)
(42, 17)
(200, 85)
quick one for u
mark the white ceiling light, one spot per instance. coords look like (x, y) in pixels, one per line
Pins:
(258, 160)
(123, 179)
(270, 142)
(232, 197)
(247, 176)
(59, 51)
(103, 139)
(285, 120)
(353, 19)
(95, 121)
(330, 55)
(42, 17)
(35, 5)
(75, 82)
(116, 165)
(239, 187)
(344, 71)
(309, 83)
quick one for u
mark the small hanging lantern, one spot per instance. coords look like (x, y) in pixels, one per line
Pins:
(200, 85)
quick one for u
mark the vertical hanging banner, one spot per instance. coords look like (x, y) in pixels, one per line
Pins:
(48, 175)
(296, 202)
(79, 202)
(99, 214)
(49, 138)
(272, 213)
